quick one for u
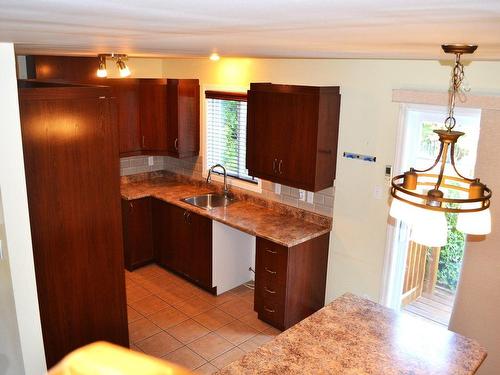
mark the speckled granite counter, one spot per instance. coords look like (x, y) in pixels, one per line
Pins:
(272, 221)
(355, 336)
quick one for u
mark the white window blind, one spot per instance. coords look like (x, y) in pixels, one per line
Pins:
(226, 132)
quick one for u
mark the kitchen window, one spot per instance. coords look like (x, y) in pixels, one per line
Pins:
(226, 129)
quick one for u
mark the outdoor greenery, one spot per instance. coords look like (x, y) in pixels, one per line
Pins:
(450, 259)
(230, 115)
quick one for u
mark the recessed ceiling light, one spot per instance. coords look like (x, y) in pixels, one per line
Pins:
(215, 56)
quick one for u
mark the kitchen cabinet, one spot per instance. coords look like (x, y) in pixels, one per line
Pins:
(183, 117)
(183, 242)
(156, 116)
(70, 146)
(290, 282)
(292, 134)
(137, 232)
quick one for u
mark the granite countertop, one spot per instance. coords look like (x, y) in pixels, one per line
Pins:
(355, 336)
(272, 222)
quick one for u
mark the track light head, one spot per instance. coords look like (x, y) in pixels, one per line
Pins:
(101, 70)
(124, 70)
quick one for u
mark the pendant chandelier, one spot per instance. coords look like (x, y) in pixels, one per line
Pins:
(421, 198)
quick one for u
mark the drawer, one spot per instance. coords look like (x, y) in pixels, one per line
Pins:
(271, 309)
(271, 262)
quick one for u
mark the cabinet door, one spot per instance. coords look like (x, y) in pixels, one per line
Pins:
(127, 95)
(296, 122)
(263, 141)
(200, 252)
(183, 117)
(137, 232)
(153, 114)
(171, 236)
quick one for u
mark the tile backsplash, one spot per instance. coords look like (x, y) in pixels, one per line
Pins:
(192, 167)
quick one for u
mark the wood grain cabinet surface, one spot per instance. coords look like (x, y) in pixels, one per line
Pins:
(70, 146)
(137, 232)
(290, 282)
(183, 242)
(292, 134)
(156, 116)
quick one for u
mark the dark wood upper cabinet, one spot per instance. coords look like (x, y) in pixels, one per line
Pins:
(155, 116)
(70, 146)
(137, 232)
(292, 134)
(183, 117)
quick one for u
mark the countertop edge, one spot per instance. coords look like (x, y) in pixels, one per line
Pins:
(206, 213)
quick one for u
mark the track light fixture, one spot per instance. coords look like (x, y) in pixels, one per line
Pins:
(122, 66)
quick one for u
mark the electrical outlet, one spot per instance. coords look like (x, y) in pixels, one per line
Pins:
(151, 161)
(377, 192)
(310, 197)
(302, 195)
(277, 189)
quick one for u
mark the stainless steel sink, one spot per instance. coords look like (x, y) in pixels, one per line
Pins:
(209, 201)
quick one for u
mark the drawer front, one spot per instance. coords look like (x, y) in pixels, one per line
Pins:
(270, 281)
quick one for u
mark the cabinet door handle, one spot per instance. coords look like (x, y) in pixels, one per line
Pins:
(269, 290)
(270, 271)
(188, 217)
(143, 141)
(271, 251)
(176, 144)
(185, 216)
(131, 205)
(272, 311)
(279, 166)
(274, 165)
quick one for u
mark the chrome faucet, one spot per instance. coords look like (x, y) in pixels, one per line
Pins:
(226, 190)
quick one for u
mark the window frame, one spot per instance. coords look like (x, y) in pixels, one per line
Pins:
(224, 93)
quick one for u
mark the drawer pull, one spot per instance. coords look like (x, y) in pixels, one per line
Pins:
(269, 310)
(270, 271)
(269, 290)
(271, 251)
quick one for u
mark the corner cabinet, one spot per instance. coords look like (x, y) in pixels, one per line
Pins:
(292, 134)
(183, 242)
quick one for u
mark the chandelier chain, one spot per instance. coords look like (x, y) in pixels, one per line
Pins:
(456, 83)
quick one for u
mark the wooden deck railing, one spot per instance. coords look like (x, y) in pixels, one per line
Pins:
(415, 280)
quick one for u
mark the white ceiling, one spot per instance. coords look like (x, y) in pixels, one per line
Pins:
(255, 28)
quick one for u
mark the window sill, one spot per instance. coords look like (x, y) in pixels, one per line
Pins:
(231, 181)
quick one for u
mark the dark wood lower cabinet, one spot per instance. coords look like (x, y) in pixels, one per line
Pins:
(137, 232)
(183, 242)
(70, 145)
(290, 282)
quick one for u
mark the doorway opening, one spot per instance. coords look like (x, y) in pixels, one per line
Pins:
(424, 279)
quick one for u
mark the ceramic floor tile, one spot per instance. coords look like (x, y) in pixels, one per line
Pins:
(133, 315)
(241, 290)
(159, 345)
(185, 357)
(228, 357)
(214, 319)
(135, 348)
(194, 306)
(188, 331)
(149, 305)
(141, 329)
(168, 318)
(262, 337)
(253, 321)
(206, 369)
(211, 346)
(174, 295)
(236, 332)
(237, 307)
(218, 300)
(135, 293)
(149, 271)
(249, 345)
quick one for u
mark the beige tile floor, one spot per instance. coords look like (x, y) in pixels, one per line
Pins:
(172, 319)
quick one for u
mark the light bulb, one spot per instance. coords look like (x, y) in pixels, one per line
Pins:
(477, 223)
(215, 56)
(430, 228)
(124, 70)
(101, 71)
